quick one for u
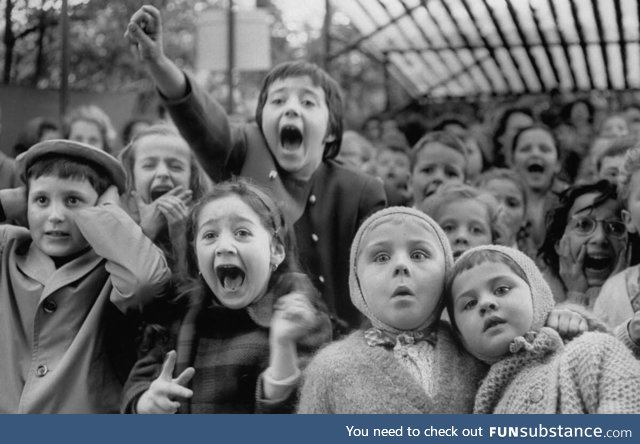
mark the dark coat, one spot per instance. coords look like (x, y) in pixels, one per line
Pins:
(334, 201)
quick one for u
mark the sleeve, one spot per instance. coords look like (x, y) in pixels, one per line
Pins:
(205, 126)
(138, 269)
(607, 374)
(622, 333)
(284, 405)
(372, 199)
(145, 370)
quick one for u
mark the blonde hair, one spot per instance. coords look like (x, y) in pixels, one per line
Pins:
(631, 165)
(434, 204)
(197, 184)
(95, 115)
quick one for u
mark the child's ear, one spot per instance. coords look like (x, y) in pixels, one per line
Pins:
(277, 253)
(626, 217)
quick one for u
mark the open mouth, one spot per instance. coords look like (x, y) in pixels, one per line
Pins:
(431, 189)
(159, 191)
(402, 291)
(290, 137)
(231, 277)
(597, 262)
(492, 322)
(536, 168)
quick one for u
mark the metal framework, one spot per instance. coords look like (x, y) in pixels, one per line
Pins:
(464, 48)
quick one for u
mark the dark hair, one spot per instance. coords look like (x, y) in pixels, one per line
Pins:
(271, 217)
(498, 155)
(558, 217)
(128, 128)
(535, 126)
(566, 110)
(469, 261)
(127, 157)
(319, 78)
(68, 167)
(442, 137)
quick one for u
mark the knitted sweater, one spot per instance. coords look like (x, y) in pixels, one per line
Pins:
(594, 373)
(350, 376)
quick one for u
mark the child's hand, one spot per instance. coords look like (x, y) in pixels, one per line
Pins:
(571, 269)
(14, 204)
(294, 316)
(144, 33)
(567, 323)
(110, 196)
(634, 328)
(170, 208)
(165, 392)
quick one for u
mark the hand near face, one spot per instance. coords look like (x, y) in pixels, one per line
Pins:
(567, 323)
(166, 392)
(110, 196)
(144, 33)
(171, 209)
(294, 316)
(571, 269)
(634, 328)
(14, 204)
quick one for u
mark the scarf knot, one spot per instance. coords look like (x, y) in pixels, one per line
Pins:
(376, 337)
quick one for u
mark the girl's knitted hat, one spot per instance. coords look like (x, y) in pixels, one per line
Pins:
(373, 221)
(541, 295)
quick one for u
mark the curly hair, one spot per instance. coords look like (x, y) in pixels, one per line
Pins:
(558, 217)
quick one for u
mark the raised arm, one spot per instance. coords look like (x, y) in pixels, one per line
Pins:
(138, 269)
(200, 119)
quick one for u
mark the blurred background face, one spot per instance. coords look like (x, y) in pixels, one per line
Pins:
(515, 123)
(512, 204)
(87, 132)
(535, 159)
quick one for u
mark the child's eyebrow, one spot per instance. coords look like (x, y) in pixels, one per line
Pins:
(234, 219)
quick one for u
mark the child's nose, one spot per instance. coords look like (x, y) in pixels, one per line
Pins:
(225, 245)
(293, 108)
(162, 170)
(401, 268)
(56, 213)
(488, 304)
(461, 237)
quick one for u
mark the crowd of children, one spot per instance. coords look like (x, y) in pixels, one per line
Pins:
(277, 266)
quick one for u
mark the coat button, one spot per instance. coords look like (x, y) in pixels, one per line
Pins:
(321, 279)
(536, 395)
(314, 237)
(49, 306)
(41, 371)
(312, 199)
(273, 174)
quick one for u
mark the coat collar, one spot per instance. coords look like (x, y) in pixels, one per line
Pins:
(40, 267)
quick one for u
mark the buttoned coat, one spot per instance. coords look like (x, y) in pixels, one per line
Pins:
(326, 210)
(55, 328)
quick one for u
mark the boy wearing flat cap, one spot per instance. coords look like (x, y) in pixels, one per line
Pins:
(67, 280)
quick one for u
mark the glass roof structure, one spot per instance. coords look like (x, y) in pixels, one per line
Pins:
(465, 48)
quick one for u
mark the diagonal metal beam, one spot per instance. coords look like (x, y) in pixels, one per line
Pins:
(426, 37)
(354, 45)
(406, 38)
(523, 38)
(504, 42)
(581, 39)
(621, 42)
(457, 74)
(563, 43)
(603, 46)
(408, 61)
(486, 44)
(466, 41)
(545, 45)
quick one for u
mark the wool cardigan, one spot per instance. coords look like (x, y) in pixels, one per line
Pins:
(594, 373)
(350, 376)
(58, 326)
(324, 211)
